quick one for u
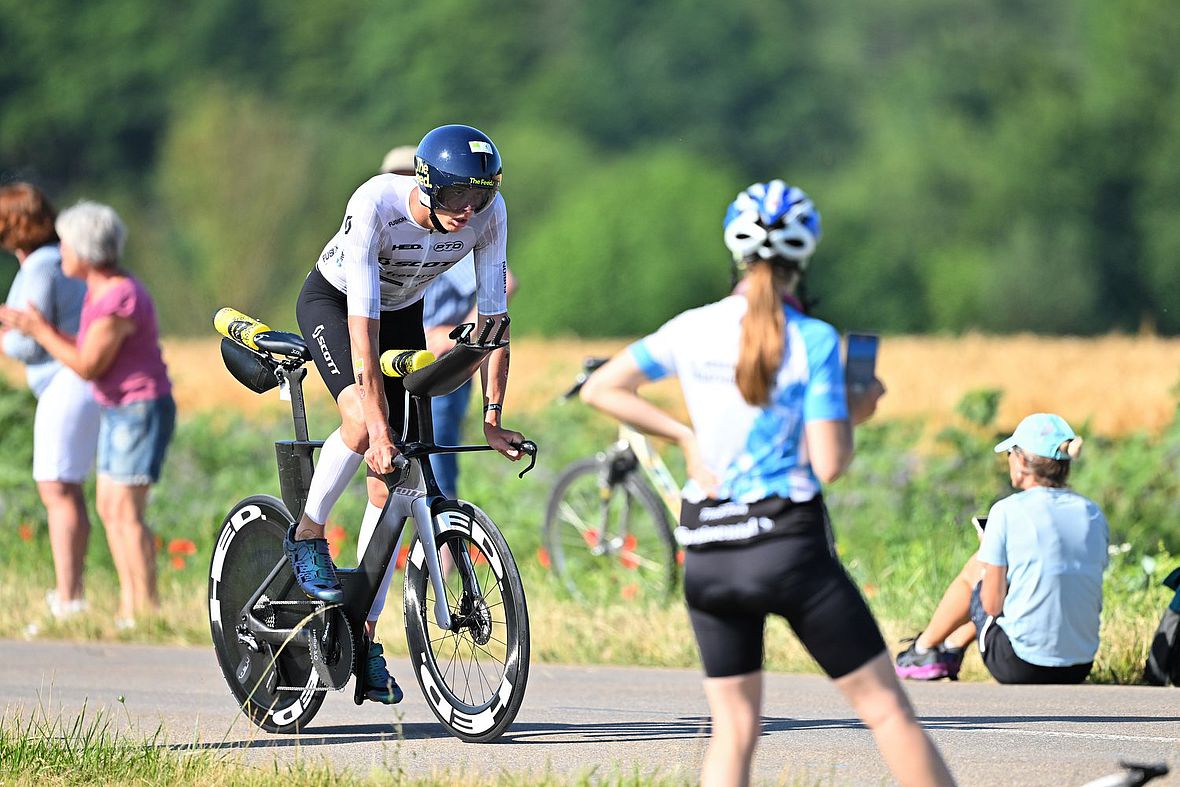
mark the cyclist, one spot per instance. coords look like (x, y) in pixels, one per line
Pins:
(364, 295)
(770, 420)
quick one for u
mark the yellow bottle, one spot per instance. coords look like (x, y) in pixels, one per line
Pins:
(242, 328)
(399, 363)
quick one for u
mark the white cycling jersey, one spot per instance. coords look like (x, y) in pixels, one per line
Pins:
(383, 260)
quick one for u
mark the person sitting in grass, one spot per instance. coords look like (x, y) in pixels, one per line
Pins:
(1032, 596)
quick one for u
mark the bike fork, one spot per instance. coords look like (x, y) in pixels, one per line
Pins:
(425, 524)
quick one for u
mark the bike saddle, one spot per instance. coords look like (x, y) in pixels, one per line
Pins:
(284, 343)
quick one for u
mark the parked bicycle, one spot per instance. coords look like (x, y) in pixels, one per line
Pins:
(468, 630)
(608, 524)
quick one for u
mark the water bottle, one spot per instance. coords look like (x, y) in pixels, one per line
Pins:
(399, 363)
(242, 328)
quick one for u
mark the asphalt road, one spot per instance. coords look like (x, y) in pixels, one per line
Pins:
(617, 720)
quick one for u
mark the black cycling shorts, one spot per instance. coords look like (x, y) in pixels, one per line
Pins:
(1001, 660)
(731, 589)
(322, 313)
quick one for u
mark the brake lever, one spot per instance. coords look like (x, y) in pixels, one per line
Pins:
(530, 448)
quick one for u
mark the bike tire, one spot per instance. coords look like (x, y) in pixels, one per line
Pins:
(248, 547)
(638, 560)
(480, 713)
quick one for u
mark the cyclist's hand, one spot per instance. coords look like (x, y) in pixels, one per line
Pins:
(504, 440)
(698, 471)
(382, 455)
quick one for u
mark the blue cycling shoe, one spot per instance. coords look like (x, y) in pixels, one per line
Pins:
(313, 567)
(379, 684)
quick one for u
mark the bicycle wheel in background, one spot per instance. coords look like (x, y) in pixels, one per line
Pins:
(473, 677)
(607, 535)
(277, 689)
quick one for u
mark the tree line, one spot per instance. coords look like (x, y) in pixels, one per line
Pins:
(1000, 166)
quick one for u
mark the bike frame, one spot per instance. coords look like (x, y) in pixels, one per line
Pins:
(654, 469)
(361, 583)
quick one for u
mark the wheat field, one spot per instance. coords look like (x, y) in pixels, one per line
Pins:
(1116, 384)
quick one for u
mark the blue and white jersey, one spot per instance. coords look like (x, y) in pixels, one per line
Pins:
(383, 260)
(755, 451)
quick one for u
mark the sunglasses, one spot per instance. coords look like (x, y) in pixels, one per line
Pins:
(459, 198)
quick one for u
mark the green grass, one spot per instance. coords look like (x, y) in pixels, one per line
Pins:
(901, 517)
(92, 748)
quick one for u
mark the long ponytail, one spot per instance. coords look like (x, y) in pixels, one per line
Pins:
(763, 332)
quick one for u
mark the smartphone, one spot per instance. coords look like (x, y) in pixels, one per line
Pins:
(980, 523)
(860, 360)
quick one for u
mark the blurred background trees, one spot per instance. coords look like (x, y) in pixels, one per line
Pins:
(1000, 166)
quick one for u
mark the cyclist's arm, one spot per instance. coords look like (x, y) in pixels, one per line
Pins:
(362, 334)
(614, 390)
(493, 375)
(995, 589)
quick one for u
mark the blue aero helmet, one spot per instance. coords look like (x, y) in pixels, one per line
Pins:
(457, 168)
(772, 221)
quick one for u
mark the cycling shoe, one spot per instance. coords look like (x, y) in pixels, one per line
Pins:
(313, 567)
(379, 684)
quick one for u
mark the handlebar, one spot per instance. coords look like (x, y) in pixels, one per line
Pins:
(530, 448)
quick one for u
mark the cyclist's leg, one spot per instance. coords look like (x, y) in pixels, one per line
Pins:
(322, 313)
(401, 329)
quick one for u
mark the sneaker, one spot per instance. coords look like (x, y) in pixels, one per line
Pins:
(64, 609)
(921, 666)
(379, 684)
(313, 567)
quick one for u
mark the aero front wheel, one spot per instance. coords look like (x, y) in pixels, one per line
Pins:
(276, 687)
(473, 676)
(607, 535)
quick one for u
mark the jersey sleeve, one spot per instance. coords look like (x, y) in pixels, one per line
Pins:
(359, 244)
(825, 398)
(34, 287)
(491, 262)
(994, 548)
(656, 354)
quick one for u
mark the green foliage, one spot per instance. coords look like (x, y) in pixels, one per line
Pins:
(1002, 167)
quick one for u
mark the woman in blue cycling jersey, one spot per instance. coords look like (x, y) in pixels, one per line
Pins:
(764, 387)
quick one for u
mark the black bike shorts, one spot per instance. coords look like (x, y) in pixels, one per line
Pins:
(322, 313)
(1001, 660)
(731, 589)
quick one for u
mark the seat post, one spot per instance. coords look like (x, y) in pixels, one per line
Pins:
(294, 381)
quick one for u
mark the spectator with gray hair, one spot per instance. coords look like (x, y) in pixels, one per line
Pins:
(65, 424)
(117, 349)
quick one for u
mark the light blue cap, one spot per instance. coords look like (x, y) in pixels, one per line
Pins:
(1041, 434)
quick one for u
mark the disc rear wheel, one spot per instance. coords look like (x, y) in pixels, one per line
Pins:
(277, 686)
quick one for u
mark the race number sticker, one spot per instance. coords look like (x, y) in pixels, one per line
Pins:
(479, 146)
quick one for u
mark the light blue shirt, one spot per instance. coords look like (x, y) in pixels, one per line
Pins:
(757, 452)
(1054, 544)
(41, 283)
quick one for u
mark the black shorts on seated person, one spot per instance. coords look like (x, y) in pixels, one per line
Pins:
(1001, 660)
(322, 312)
(795, 574)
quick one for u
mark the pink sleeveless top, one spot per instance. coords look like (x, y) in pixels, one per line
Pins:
(138, 372)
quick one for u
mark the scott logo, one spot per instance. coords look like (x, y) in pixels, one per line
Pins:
(317, 334)
(450, 245)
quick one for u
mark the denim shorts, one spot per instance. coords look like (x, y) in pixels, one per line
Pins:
(133, 438)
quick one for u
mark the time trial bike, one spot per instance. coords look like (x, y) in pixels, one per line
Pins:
(467, 628)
